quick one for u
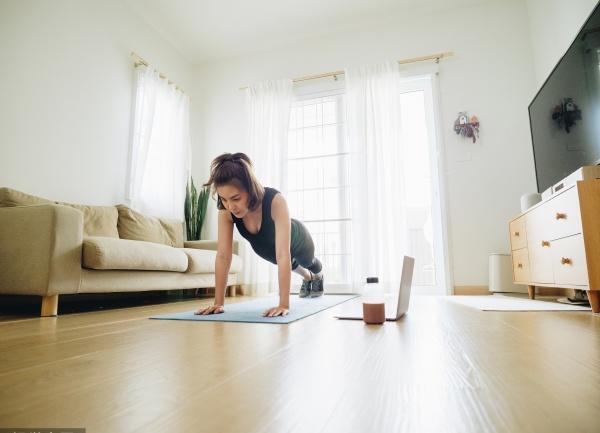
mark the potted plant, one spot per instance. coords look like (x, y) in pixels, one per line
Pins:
(195, 210)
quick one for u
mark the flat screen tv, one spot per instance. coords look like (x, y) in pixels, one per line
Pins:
(565, 114)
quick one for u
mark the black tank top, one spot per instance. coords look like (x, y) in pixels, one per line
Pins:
(263, 242)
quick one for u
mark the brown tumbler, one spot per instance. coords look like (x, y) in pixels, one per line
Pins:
(374, 313)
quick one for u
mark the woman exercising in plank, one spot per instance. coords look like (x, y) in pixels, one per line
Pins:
(261, 216)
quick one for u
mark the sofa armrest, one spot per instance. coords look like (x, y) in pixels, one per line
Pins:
(40, 249)
(209, 245)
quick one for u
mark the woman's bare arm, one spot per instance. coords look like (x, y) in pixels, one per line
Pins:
(281, 216)
(222, 261)
(223, 258)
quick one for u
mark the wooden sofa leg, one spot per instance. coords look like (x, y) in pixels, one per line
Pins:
(232, 290)
(49, 306)
(594, 297)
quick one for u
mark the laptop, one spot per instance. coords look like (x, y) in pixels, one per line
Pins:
(393, 311)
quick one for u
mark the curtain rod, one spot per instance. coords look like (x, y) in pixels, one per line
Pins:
(435, 57)
(139, 61)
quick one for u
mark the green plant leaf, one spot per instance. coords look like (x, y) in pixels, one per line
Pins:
(195, 206)
(186, 210)
(194, 212)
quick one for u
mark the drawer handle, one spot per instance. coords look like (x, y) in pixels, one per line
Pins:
(545, 243)
(565, 261)
(517, 234)
(561, 216)
(520, 265)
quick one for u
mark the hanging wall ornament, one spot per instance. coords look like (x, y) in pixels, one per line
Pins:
(565, 114)
(467, 127)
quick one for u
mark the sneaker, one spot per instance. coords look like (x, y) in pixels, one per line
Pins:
(305, 288)
(317, 288)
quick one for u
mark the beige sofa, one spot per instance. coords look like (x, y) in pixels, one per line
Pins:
(49, 248)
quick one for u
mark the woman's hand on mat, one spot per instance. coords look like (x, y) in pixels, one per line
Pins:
(213, 309)
(276, 311)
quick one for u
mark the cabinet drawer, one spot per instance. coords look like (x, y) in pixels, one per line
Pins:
(520, 259)
(557, 218)
(565, 215)
(568, 261)
(539, 224)
(540, 261)
(518, 238)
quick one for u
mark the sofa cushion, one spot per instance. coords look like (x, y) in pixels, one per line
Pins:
(11, 197)
(111, 253)
(134, 225)
(203, 261)
(98, 220)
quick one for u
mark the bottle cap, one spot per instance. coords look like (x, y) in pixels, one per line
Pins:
(372, 280)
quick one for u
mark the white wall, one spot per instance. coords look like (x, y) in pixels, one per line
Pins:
(554, 24)
(66, 86)
(491, 76)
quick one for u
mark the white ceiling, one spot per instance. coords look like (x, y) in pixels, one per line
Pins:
(205, 30)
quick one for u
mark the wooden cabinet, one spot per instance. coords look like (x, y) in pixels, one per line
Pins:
(556, 243)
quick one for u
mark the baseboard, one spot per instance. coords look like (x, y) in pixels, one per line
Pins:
(484, 290)
(471, 290)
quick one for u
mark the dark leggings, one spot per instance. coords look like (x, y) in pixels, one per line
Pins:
(314, 265)
(305, 257)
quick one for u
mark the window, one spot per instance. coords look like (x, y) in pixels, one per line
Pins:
(319, 180)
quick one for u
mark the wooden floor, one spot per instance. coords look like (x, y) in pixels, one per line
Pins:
(443, 368)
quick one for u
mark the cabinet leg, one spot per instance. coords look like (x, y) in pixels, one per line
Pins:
(531, 291)
(594, 297)
(49, 306)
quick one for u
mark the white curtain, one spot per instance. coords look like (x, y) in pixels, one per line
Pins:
(160, 146)
(379, 229)
(269, 107)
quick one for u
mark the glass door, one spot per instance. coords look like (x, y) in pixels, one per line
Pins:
(426, 230)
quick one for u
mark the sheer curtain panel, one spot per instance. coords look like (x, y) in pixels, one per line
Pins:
(373, 119)
(269, 106)
(160, 146)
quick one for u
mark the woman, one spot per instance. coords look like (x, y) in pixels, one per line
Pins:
(261, 216)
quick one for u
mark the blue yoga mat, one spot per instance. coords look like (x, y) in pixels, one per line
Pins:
(251, 311)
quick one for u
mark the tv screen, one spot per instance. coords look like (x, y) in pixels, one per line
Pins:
(565, 114)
